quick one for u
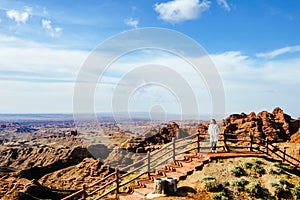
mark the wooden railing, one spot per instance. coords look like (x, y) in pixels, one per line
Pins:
(171, 151)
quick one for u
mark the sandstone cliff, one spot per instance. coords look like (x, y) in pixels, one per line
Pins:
(153, 139)
(276, 126)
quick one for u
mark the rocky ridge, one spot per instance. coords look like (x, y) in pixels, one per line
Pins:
(276, 126)
(152, 139)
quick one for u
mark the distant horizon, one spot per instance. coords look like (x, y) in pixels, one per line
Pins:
(143, 115)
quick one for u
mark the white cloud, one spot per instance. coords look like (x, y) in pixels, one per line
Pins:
(53, 31)
(250, 83)
(177, 11)
(4, 38)
(131, 22)
(35, 77)
(46, 24)
(18, 16)
(278, 52)
(253, 84)
(28, 9)
(32, 79)
(34, 59)
(224, 4)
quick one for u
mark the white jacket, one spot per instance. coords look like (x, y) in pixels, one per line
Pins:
(214, 131)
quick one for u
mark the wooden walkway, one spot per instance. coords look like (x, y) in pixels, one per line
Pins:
(183, 167)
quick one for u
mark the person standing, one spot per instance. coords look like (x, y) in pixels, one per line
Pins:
(214, 131)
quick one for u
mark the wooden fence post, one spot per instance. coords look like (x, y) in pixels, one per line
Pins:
(251, 142)
(198, 142)
(267, 146)
(174, 153)
(117, 182)
(284, 153)
(148, 164)
(83, 192)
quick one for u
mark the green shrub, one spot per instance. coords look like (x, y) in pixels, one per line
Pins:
(273, 171)
(220, 196)
(238, 171)
(283, 190)
(288, 168)
(279, 170)
(223, 193)
(279, 190)
(225, 183)
(213, 186)
(248, 165)
(258, 169)
(255, 190)
(208, 178)
(296, 193)
(277, 164)
(240, 185)
(285, 182)
(257, 161)
(216, 196)
(274, 185)
(284, 167)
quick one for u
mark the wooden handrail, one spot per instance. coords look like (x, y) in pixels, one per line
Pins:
(101, 180)
(133, 164)
(170, 148)
(186, 138)
(73, 195)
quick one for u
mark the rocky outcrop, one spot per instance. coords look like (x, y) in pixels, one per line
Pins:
(23, 158)
(24, 189)
(75, 156)
(202, 128)
(153, 139)
(276, 126)
(88, 170)
(295, 138)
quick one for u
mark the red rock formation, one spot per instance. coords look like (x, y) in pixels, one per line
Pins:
(276, 126)
(153, 140)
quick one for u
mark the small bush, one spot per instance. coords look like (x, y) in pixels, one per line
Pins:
(282, 190)
(273, 171)
(284, 167)
(283, 181)
(248, 165)
(279, 190)
(274, 185)
(220, 196)
(208, 178)
(258, 169)
(238, 171)
(259, 162)
(296, 193)
(277, 164)
(240, 185)
(288, 168)
(286, 183)
(216, 196)
(255, 190)
(212, 186)
(225, 183)
(279, 170)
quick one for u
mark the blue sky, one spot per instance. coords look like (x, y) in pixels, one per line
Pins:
(255, 46)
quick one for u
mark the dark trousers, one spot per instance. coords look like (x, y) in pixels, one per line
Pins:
(213, 145)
